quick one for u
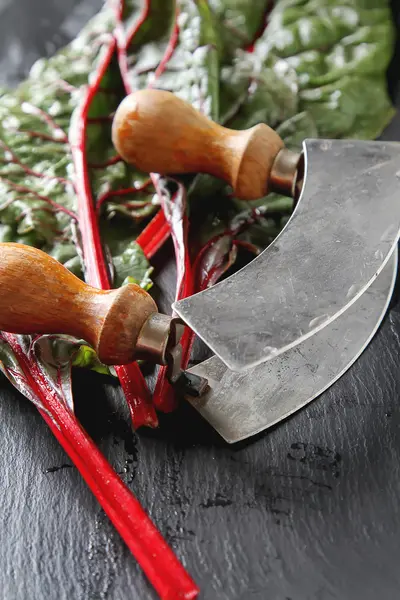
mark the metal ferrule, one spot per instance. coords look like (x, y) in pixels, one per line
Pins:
(287, 173)
(158, 342)
(153, 339)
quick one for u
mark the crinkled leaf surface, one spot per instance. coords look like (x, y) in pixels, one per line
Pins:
(238, 22)
(36, 172)
(38, 202)
(317, 70)
(185, 34)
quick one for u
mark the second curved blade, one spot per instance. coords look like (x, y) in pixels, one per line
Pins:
(239, 405)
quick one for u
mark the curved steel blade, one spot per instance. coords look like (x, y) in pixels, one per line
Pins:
(338, 240)
(239, 405)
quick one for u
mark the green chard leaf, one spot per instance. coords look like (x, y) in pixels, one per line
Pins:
(239, 23)
(340, 53)
(176, 51)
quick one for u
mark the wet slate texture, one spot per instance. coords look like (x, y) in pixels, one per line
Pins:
(307, 511)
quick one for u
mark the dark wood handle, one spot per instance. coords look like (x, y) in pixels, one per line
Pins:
(39, 295)
(160, 133)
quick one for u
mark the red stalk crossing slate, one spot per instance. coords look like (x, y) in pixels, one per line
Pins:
(157, 560)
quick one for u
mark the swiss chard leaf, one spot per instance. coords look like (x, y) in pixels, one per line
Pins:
(239, 23)
(340, 53)
(180, 54)
(39, 203)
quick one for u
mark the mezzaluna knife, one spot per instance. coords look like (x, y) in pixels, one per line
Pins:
(343, 231)
(321, 284)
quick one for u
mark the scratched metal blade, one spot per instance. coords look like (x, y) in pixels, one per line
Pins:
(339, 238)
(239, 405)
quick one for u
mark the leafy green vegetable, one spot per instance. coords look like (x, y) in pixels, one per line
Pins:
(317, 69)
(340, 53)
(238, 22)
(132, 267)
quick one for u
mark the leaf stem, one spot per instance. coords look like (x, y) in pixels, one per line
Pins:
(154, 235)
(157, 560)
(96, 270)
(174, 209)
(172, 44)
(132, 380)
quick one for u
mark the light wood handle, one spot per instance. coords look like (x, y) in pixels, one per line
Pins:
(39, 295)
(160, 133)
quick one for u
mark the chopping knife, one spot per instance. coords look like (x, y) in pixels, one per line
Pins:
(322, 284)
(123, 325)
(343, 230)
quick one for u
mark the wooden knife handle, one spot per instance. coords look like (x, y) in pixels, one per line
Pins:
(39, 295)
(160, 133)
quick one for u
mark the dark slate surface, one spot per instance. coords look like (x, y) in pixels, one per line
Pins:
(308, 511)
